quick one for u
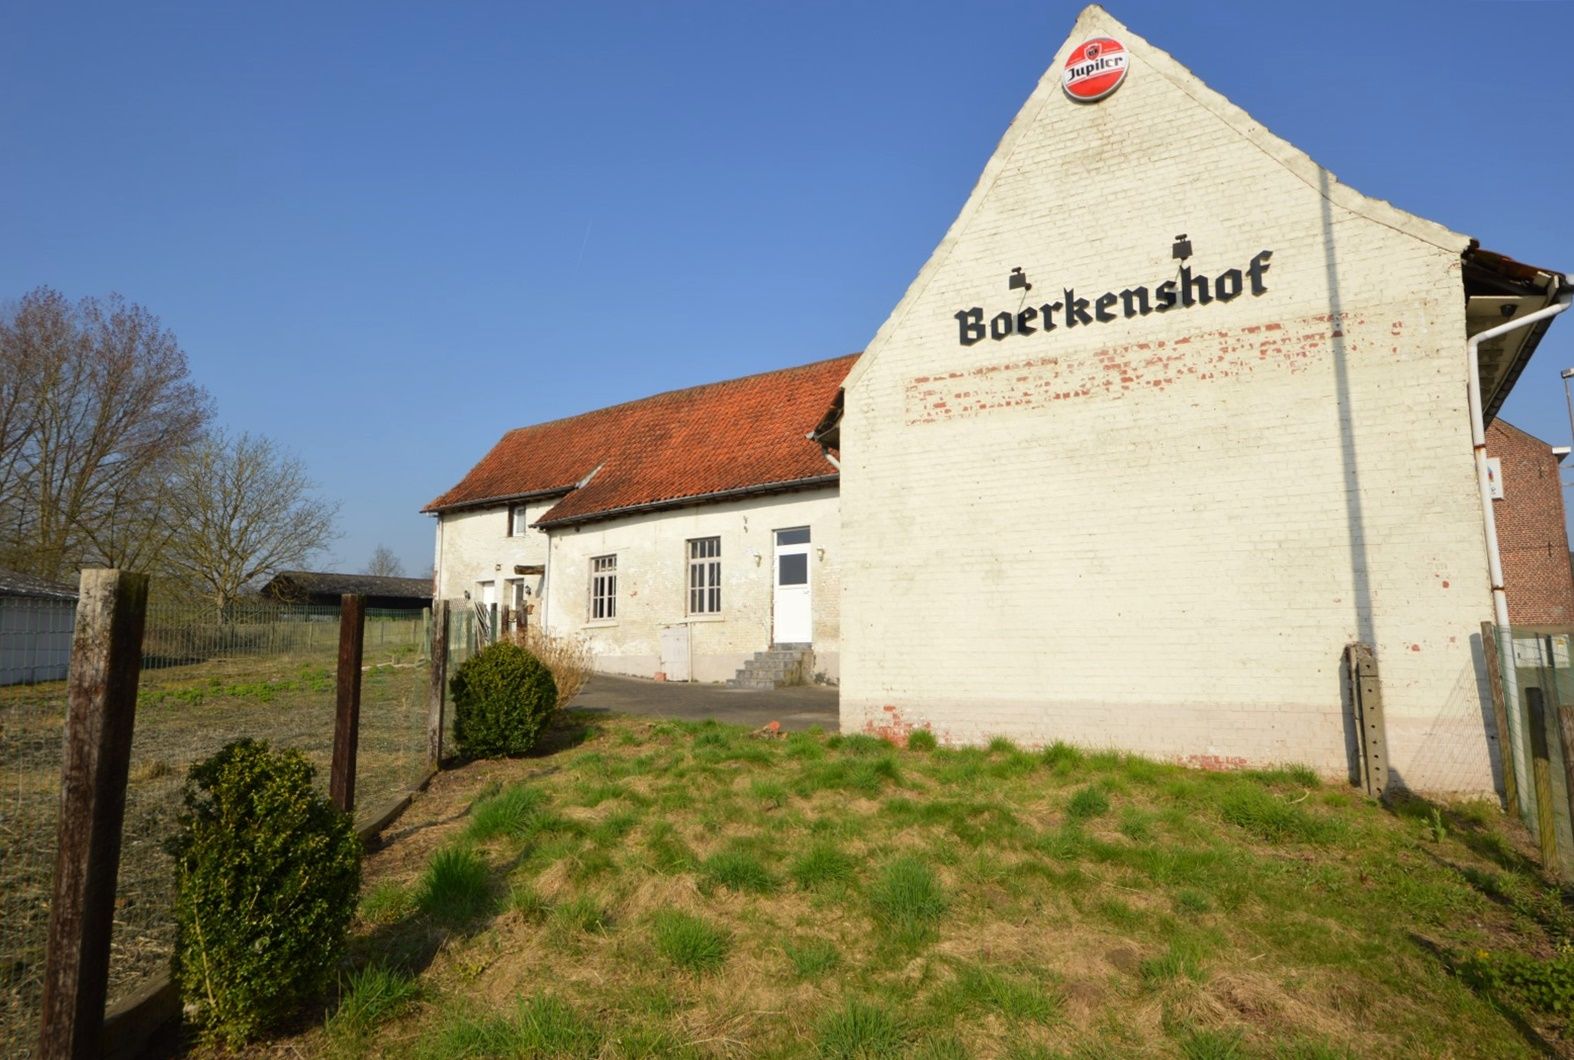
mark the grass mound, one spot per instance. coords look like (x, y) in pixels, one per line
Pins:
(690, 889)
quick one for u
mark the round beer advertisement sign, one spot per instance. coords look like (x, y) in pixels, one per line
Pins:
(1095, 69)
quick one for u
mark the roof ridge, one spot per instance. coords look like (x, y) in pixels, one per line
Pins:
(683, 390)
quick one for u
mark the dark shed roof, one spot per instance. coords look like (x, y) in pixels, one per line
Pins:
(301, 585)
(15, 583)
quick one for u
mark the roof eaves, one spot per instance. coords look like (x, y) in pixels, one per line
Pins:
(506, 498)
(714, 497)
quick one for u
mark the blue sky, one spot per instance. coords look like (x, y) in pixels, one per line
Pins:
(385, 233)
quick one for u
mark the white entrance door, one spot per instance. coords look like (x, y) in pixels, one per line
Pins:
(675, 652)
(794, 622)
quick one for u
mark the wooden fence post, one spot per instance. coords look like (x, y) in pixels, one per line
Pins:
(439, 687)
(347, 719)
(1490, 651)
(1546, 823)
(106, 664)
(1366, 695)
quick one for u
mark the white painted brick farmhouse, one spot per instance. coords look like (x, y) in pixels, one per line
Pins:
(1169, 418)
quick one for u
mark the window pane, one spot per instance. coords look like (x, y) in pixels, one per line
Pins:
(793, 569)
(797, 536)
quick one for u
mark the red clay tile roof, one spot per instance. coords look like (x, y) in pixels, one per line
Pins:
(740, 435)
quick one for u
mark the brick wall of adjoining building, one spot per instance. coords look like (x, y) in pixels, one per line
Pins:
(1531, 531)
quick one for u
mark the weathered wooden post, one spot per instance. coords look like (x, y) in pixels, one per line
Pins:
(1489, 650)
(439, 687)
(1546, 823)
(1366, 696)
(101, 690)
(347, 719)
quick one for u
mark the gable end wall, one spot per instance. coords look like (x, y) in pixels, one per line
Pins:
(1159, 533)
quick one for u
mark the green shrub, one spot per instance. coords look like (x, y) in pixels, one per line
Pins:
(266, 877)
(503, 697)
(1539, 985)
(921, 740)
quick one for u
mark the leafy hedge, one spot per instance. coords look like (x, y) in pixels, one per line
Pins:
(267, 873)
(503, 697)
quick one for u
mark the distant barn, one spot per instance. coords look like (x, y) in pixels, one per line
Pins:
(322, 587)
(36, 617)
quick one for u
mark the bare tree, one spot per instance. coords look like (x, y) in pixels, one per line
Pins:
(384, 563)
(242, 509)
(96, 408)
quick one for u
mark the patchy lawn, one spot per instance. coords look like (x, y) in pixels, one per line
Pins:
(676, 889)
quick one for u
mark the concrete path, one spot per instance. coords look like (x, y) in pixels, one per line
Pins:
(796, 708)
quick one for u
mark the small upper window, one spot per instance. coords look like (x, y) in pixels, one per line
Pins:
(518, 521)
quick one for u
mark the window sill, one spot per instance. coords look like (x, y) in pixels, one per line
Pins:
(601, 623)
(705, 618)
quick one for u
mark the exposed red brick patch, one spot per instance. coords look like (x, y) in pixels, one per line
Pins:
(894, 728)
(1036, 383)
(1215, 763)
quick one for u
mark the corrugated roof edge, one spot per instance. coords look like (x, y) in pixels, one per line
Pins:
(716, 497)
(15, 583)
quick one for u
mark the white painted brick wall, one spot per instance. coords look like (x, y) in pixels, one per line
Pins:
(473, 546)
(653, 573)
(1171, 555)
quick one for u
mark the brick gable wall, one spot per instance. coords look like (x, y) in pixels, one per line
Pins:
(1532, 534)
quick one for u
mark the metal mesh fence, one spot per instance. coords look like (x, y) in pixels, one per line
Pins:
(1537, 672)
(266, 673)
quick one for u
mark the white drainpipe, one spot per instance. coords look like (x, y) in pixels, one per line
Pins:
(1478, 439)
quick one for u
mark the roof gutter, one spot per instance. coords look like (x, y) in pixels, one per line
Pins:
(683, 502)
(825, 451)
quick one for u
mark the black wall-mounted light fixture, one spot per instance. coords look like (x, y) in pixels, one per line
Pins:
(1182, 248)
(1018, 280)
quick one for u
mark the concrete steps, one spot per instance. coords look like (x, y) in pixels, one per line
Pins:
(782, 665)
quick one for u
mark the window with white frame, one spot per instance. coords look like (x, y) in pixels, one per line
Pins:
(603, 588)
(518, 521)
(705, 576)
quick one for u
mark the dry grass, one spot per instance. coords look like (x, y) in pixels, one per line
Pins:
(184, 713)
(567, 658)
(673, 889)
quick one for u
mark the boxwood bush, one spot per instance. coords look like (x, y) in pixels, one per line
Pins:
(503, 697)
(266, 875)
